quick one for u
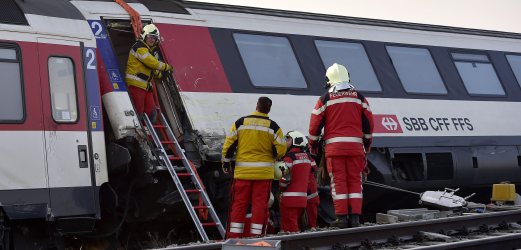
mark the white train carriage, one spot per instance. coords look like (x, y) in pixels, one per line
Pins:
(51, 131)
(445, 99)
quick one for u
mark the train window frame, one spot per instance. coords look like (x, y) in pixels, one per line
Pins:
(369, 58)
(75, 90)
(19, 61)
(518, 79)
(476, 52)
(442, 77)
(299, 63)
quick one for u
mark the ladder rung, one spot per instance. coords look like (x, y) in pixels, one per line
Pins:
(167, 142)
(209, 224)
(184, 174)
(173, 157)
(200, 207)
(192, 190)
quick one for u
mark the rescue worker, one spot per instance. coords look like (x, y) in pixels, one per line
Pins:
(258, 141)
(348, 124)
(142, 66)
(293, 187)
(313, 198)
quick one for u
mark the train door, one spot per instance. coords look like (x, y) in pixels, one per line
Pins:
(66, 136)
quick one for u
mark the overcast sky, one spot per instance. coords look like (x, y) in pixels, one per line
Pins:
(501, 15)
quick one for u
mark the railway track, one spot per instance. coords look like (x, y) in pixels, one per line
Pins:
(480, 231)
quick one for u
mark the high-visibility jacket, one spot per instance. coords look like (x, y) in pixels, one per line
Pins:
(143, 65)
(258, 142)
(347, 120)
(294, 193)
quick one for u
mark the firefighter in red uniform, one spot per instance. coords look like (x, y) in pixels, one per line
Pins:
(313, 199)
(142, 66)
(346, 118)
(258, 142)
(293, 186)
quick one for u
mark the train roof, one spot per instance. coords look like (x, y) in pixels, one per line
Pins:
(501, 15)
(343, 12)
(14, 11)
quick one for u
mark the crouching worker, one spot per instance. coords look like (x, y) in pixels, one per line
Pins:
(294, 183)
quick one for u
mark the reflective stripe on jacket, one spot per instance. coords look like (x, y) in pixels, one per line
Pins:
(258, 142)
(347, 120)
(295, 194)
(141, 64)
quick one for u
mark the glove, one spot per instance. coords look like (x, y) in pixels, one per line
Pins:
(226, 167)
(168, 67)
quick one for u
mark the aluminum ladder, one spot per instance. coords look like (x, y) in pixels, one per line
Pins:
(168, 161)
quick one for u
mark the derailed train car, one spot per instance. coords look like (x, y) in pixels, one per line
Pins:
(445, 102)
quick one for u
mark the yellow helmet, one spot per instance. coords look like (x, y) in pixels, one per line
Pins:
(336, 74)
(150, 30)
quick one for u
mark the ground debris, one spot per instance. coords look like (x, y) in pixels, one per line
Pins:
(435, 236)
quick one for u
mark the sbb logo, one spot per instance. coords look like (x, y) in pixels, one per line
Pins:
(389, 123)
(386, 124)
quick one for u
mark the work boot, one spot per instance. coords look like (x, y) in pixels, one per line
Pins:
(341, 221)
(354, 220)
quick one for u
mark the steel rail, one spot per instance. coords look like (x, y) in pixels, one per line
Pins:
(507, 241)
(382, 233)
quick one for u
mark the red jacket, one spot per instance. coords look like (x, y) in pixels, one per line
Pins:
(294, 193)
(347, 121)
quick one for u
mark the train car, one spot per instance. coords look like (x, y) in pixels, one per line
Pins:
(51, 131)
(75, 161)
(444, 98)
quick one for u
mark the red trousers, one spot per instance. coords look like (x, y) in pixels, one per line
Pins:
(289, 218)
(244, 192)
(312, 213)
(313, 201)
(143, 100)
(346, 183)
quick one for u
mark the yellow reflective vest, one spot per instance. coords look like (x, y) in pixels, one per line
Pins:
(258, 142)
(141, 65)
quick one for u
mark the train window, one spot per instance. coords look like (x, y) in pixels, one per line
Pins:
(515, 64)
(439, 166)
(63, 89)
(11, 96)
(270, 61)
(354, 57)
(477, 74)
(408, 166)
(416, 70)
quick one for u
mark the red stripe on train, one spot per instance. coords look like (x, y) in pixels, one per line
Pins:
(36, 90)
(192, 53)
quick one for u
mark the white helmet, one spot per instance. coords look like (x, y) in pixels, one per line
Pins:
(298, 139)
(280, 168)
(150, 30)
(336, 74)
